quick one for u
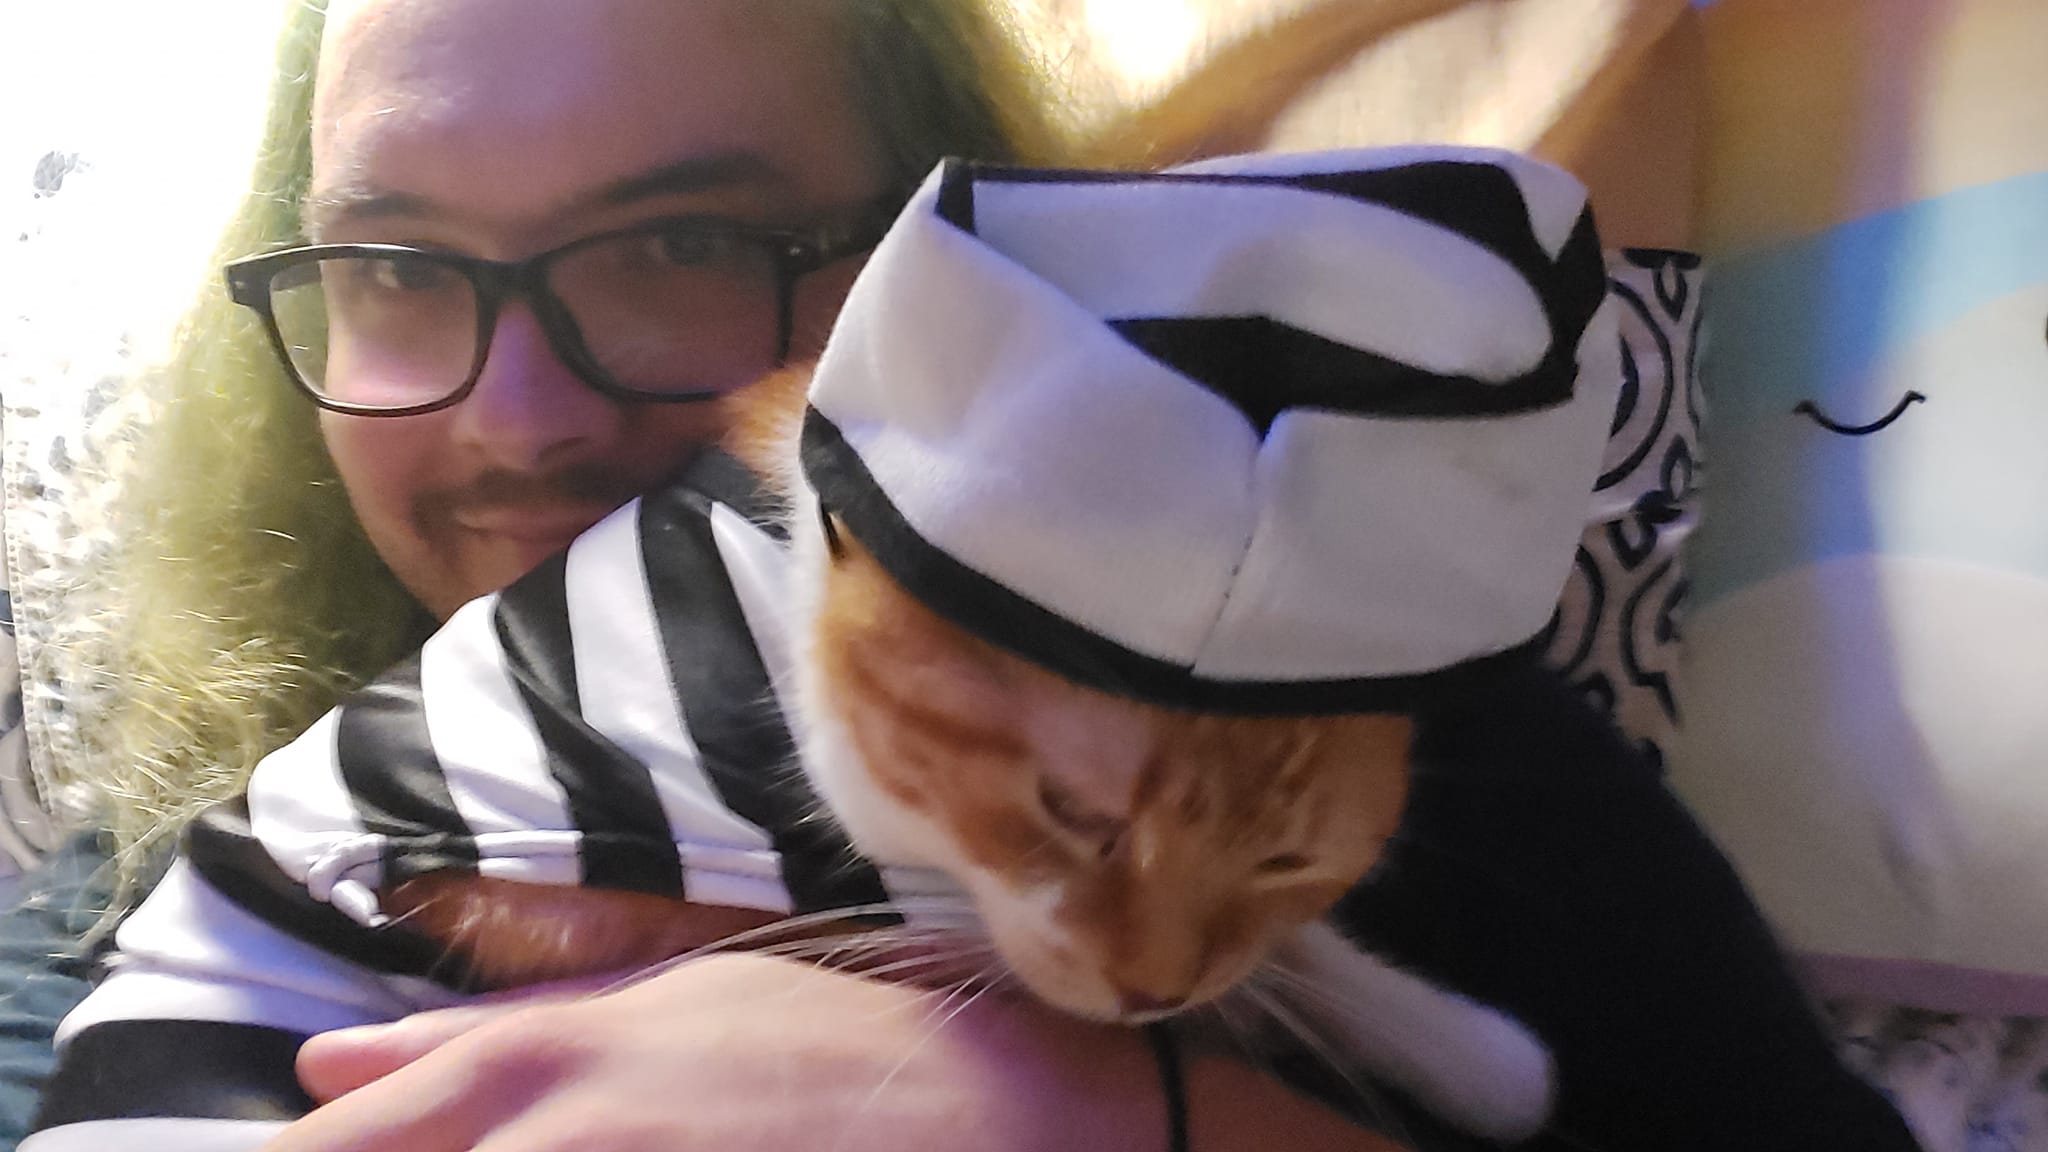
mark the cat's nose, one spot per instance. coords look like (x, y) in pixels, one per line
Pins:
(1137, 1002)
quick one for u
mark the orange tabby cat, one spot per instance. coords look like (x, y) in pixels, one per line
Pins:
(1265, 842)
(1126, 859)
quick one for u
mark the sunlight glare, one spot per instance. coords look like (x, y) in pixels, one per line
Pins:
(1144, 42)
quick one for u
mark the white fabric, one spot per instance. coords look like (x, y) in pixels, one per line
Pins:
(1554, 196)
(474, 716)
(156, 1135)
(1121, 250)
(1471, 573)
(623, 691)
(491, 756)
(1011, 429)
(190, 953)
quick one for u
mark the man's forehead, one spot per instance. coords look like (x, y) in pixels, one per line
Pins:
(354, 27)
(523, 115)
(340, 12)
(421, 29)
(347, 22)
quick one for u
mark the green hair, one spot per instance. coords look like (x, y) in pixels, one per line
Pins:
(246, 599)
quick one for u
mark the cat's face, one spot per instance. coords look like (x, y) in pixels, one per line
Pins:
(1128, 860)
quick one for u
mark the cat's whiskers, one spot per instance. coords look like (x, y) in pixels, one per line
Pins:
(934, 1030)
(796, 932)
(455, 950)
(934, 931)
(1277, 977)
(411, 913)
(882, 951)
(1278, 985)
(849, 952)
(935, 962)
(1259, 991)
(1240, 1023)
(1049, 842)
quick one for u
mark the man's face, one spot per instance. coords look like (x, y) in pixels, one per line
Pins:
(500, 128)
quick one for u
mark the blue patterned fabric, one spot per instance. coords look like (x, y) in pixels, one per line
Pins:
(45, 970)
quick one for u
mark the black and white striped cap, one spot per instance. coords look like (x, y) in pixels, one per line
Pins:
(1274, 434)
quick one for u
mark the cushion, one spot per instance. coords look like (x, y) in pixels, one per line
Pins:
(1868, 650)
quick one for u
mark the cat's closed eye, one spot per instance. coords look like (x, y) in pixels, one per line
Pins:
(1100, 830)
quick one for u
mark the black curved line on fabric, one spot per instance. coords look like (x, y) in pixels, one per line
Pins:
(1633, 299)
(1695, 396)
(1631, 390)
(1596, 606)
(1639, 671)
(1694, 388)
(1633, 538)
(1008, 619)
(1809, 408)
(1679, 474)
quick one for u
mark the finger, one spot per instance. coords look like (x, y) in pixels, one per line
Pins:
(459, 1089)
(428, 1110)
(335, 1063)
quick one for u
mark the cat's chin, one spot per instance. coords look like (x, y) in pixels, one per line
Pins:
(1059, 968)
(1094, 998)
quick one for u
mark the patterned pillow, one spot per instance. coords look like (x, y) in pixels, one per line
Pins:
(1615, 635)
(25, 827)
(63, 362)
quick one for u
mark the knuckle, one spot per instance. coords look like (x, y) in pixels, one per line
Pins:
(533, 1045)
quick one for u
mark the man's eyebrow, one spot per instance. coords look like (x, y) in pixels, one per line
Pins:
(353, 202)
(714, 172)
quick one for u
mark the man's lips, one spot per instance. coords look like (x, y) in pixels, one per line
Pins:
(556, 525)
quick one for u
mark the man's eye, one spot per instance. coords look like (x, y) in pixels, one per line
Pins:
(689, 247)
(399, 275)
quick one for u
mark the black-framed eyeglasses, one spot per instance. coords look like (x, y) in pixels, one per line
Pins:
(671, 310)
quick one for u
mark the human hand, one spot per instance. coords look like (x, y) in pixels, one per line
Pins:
(735, 1053)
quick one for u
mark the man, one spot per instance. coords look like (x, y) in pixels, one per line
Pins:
(560, 138)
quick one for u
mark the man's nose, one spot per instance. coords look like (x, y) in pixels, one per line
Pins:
(529, 412)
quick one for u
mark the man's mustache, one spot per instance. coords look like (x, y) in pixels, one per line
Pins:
(592, 484)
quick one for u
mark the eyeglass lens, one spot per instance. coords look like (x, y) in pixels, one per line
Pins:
(661, 312)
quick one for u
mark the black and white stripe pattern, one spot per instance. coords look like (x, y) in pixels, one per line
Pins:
(608, 720)
(1335, 419)
(613, 719)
